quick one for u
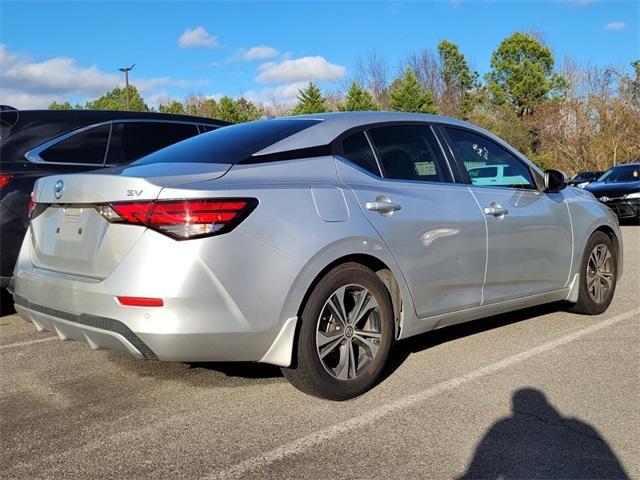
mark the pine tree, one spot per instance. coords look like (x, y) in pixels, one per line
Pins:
(310, 100)
(459, 81)
(173, 106)
(227, 110)
(60, 106)
(247, 111)
(116, 99)
(407, 95)
(358, 99)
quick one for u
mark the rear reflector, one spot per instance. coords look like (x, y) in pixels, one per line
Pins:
(140, 302)
(4, 179)
(182, 219)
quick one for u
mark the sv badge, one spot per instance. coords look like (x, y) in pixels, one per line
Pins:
(134, 193)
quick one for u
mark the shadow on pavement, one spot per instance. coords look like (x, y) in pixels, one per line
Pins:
(6, 303)
(404, 348)
(400, 351)
(536, 441)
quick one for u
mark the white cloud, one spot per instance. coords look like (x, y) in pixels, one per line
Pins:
(615, 26)
(260, 52)
(25, 83)
(304, 68)
(285, 94)
(197, 37)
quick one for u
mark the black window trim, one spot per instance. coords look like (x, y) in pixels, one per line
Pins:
(338, 151)
(33, 155)
(463, 170)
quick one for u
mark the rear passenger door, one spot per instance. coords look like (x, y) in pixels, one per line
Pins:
(529, 231)
(432, 225)
(132, 140)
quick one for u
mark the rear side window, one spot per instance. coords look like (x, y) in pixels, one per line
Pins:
(409, 152)
(488, 163)
(133, 140)
(229, 145)
(356, 148)
(88, 146)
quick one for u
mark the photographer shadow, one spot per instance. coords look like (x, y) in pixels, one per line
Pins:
(536, 441)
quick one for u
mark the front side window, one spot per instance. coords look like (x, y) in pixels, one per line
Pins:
(86, 147)
(133, 140)
(488, 163)
(356, 148)
(409, 152)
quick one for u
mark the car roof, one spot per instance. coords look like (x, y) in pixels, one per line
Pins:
(105, 115)
(331, 125)
(34, 127)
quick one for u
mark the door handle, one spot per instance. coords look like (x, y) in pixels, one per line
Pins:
(496, 210)
(382, 205)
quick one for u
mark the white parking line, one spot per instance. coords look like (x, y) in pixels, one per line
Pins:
(30, 342)
(303, 444)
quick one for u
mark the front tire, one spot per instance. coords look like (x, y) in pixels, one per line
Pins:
(345, 335)
(598, 275)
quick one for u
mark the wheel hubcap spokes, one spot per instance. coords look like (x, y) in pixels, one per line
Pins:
(348, 332)
(600, 273)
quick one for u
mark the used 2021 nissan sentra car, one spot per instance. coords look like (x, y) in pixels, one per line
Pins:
(309, 242)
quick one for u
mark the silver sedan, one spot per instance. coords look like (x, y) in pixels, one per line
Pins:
(312, 243)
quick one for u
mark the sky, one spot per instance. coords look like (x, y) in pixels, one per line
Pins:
(267, 50)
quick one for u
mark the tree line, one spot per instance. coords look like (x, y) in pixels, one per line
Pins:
(574, 117)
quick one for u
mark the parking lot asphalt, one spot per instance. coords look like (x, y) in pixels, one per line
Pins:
(538, 393)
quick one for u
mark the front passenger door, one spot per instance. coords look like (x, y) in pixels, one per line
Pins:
(529, 232)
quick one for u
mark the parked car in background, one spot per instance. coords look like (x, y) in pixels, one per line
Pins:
(37, 143)
(582, 179)
(619, 189)
(310, 242)
(497, 175)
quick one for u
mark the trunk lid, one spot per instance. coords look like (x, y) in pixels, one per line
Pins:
(71, 237)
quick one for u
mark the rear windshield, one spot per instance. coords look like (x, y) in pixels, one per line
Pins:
(229, 145)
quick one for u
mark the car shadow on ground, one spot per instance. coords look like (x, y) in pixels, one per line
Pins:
(6, 303)
(404, 348)
(537, 441)
(400, 351)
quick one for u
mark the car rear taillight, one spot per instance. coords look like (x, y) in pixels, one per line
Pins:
(182, 219)
(4, 180)
(32, 204)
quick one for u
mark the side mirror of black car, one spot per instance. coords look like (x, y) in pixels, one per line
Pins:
(554, 181)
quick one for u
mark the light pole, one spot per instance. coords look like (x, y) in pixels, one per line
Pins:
(126, 81)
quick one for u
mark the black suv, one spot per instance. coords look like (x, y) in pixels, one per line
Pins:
(36, 143)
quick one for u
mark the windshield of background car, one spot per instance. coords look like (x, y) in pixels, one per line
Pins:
(626, 173)
(228, 145)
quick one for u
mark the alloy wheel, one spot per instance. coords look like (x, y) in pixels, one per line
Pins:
(348, 332)
(600, 273)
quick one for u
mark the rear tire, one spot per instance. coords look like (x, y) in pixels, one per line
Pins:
(598, 276)
(345, 335)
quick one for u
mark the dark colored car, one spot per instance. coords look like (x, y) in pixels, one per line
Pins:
(37, 143)
(619, 189)
(584, 178)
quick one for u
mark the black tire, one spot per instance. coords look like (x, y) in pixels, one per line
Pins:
(307, 372)
(586, 305)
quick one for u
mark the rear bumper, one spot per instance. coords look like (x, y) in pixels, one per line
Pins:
(208, 315)
(97, 332)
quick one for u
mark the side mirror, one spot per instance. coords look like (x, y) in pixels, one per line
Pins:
(554, 181)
